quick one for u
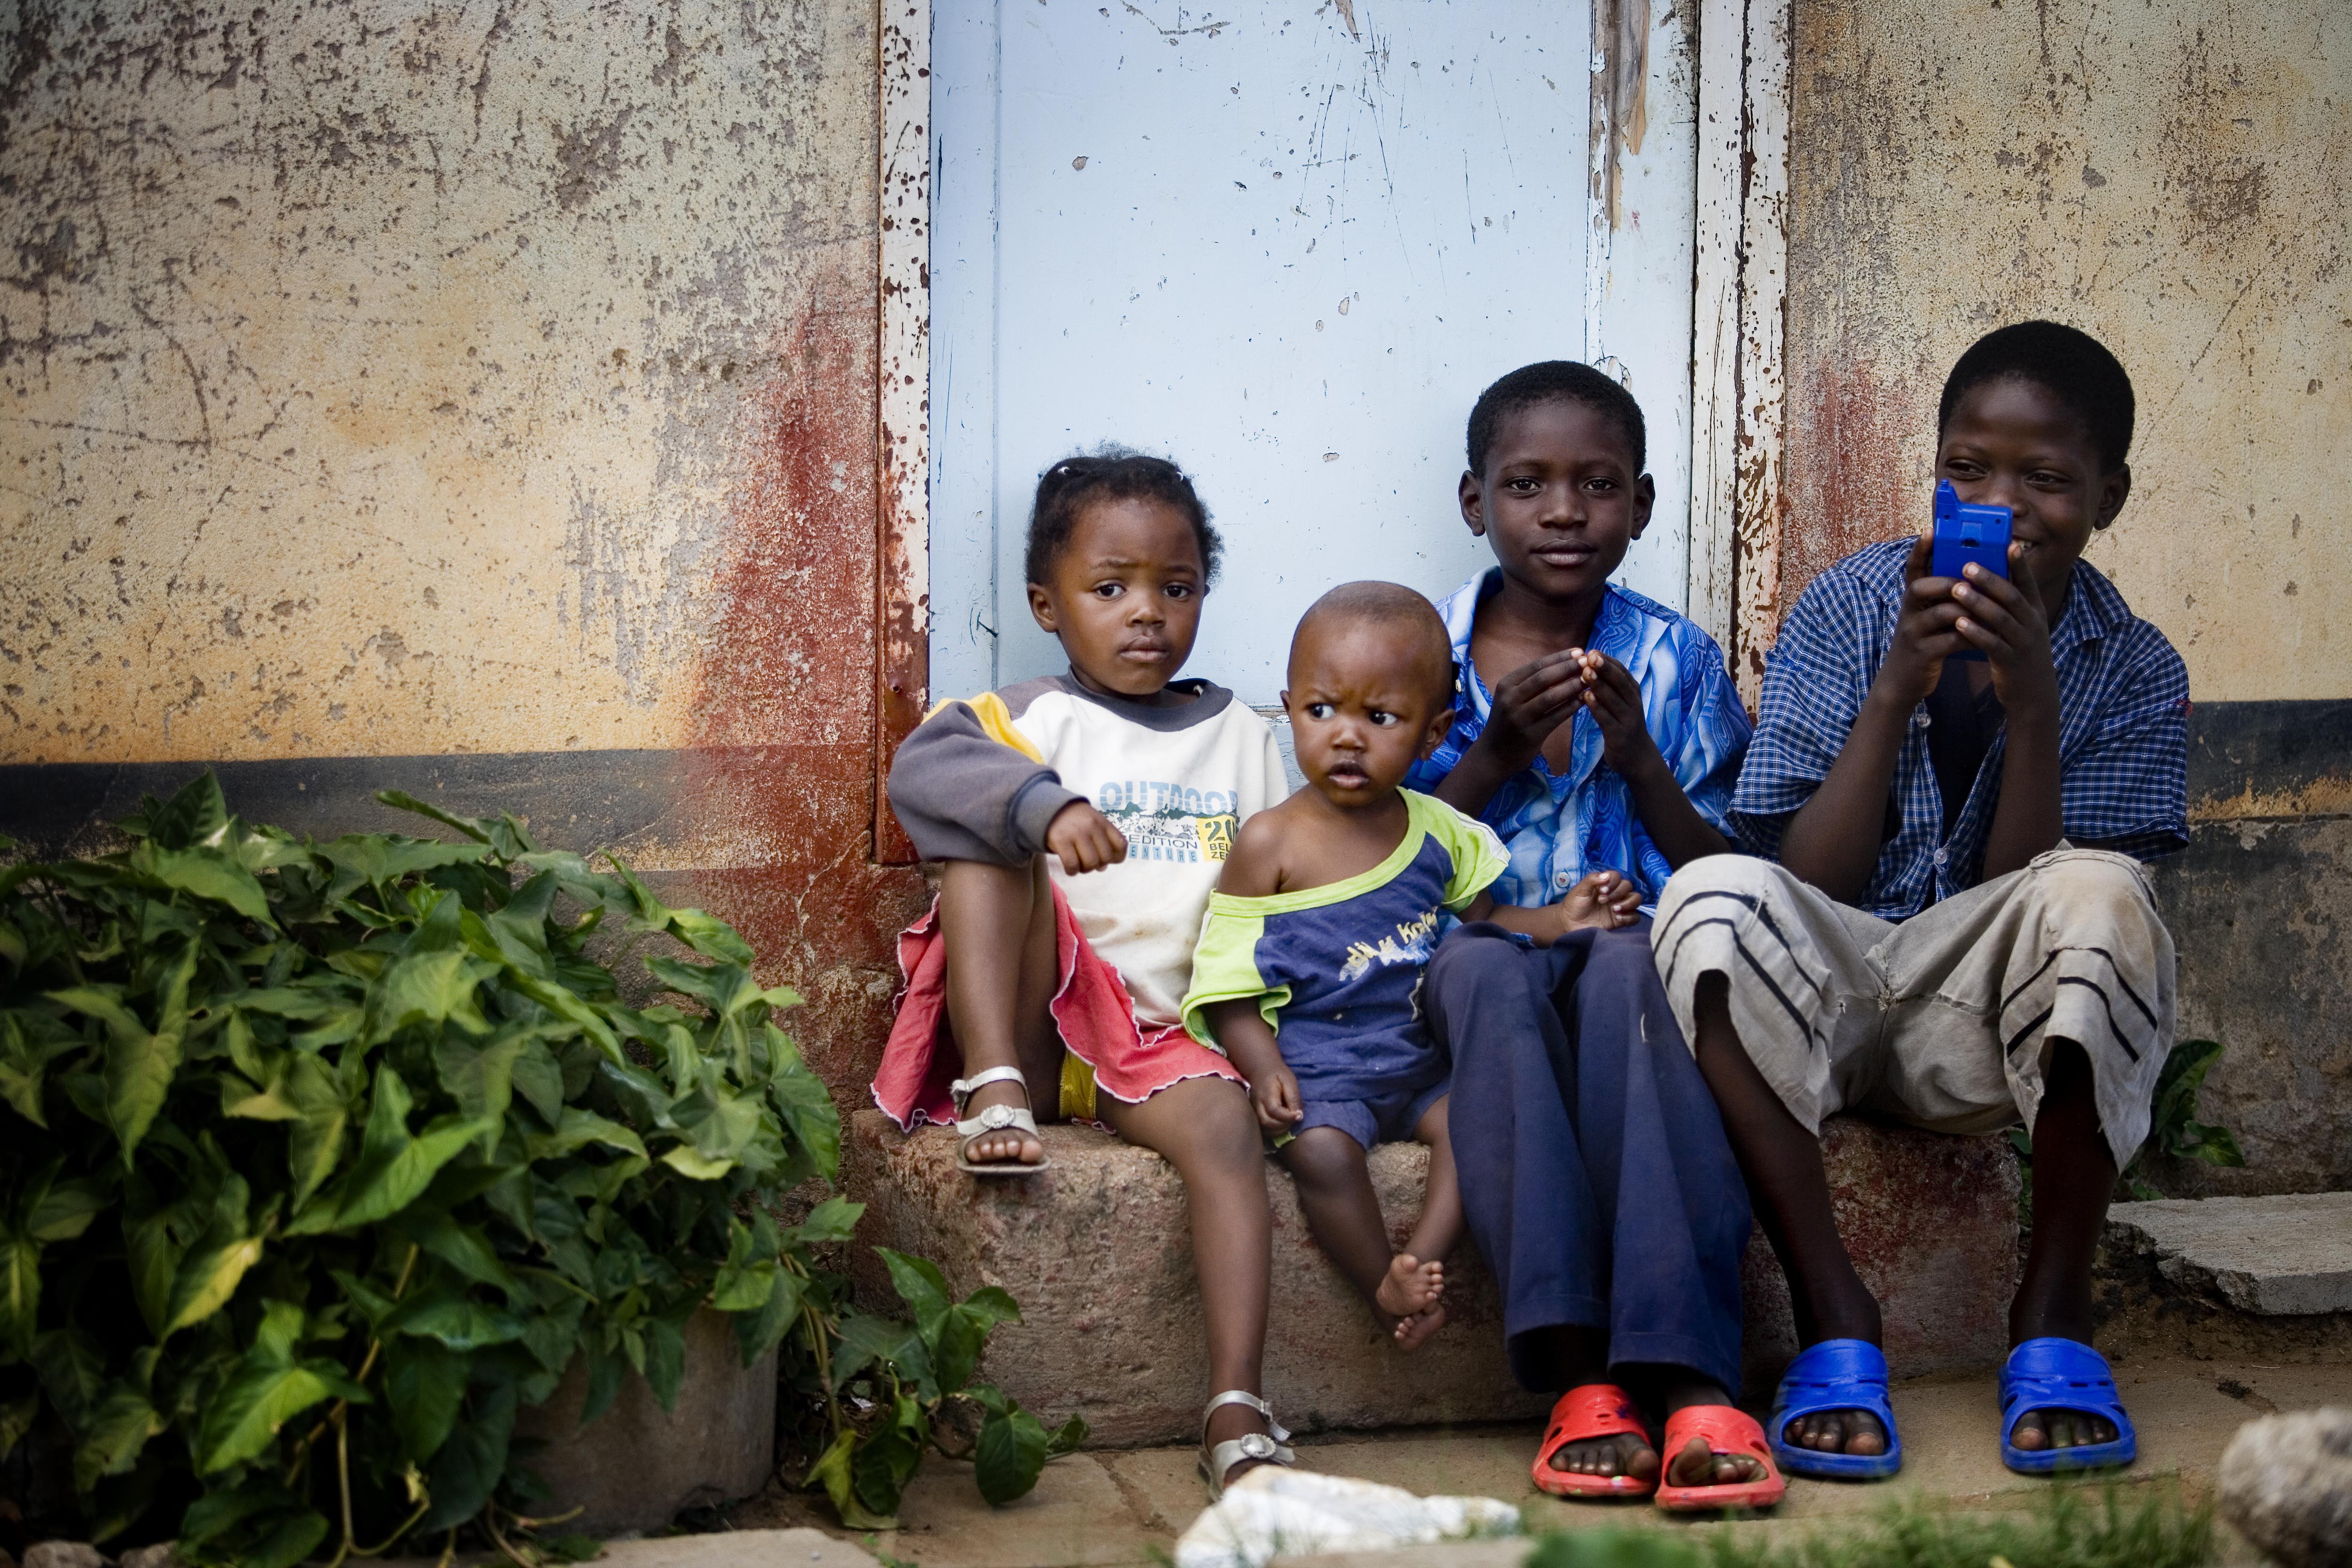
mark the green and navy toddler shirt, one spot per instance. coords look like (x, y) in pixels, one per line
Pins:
(1336, 970)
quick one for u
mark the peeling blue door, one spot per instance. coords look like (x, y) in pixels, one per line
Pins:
(1283, 245)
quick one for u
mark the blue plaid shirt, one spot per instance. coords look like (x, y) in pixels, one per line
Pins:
(1558, 826)
(2123, 738)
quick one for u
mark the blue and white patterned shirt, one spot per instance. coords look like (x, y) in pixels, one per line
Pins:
(1558, 826)
(2123, 735)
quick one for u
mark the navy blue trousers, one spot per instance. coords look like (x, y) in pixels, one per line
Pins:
(1594, 1169)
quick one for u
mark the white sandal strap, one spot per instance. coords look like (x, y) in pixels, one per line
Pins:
(996, 1119)
(963, 1089)
(1233, 1450)
(1243, 1397)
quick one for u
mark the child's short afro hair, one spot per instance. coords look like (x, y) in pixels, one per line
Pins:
(2071, 365)
(1112, 473)
(1554, 381)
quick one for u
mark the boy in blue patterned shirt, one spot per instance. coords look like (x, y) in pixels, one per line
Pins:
(1958, 779)
(1595, 731)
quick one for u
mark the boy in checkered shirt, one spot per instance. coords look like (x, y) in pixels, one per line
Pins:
(1953, 928)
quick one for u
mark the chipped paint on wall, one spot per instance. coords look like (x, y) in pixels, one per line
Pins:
(386, 380)
(2169, 176)
(380, 378)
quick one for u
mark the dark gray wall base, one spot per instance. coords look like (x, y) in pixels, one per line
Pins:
(577, 800)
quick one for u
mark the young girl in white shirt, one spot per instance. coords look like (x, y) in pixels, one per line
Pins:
(1083, 820)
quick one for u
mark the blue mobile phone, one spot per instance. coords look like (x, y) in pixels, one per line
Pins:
(1966, 533)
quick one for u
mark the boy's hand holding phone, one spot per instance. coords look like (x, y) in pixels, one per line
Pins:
(2002, 618)
(1084, 839)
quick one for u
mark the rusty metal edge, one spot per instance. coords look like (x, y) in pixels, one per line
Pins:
(1738, 388)
(902, 399)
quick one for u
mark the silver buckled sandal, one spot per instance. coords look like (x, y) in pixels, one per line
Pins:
(1268, 1446)
(995, 1118)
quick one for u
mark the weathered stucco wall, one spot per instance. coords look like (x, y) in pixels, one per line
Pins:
(2170, 175)
(384, 380)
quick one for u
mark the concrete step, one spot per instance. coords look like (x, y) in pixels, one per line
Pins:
(1097, 1253)
(2207, 1277)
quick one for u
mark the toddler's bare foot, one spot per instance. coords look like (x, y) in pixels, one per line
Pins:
(1410, 1331)
(1410, 1286)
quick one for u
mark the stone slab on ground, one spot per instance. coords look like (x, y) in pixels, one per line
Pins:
(2275, 1257)
(1097, 1253)
(1107, 1509)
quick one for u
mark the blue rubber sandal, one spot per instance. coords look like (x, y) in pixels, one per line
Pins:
(2061, 1375)
(1835, 1374)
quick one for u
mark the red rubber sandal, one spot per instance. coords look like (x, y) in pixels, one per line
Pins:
(1582, 1414)
(1726, 1431)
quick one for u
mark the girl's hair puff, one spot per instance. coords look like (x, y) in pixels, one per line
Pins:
(1112, 473)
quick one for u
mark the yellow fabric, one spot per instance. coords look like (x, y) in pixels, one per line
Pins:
(995, 719)
(1077, 1089)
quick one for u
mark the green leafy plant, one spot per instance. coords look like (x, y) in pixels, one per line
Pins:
(2173, 1132)
(324, 1160)
(918, 1370)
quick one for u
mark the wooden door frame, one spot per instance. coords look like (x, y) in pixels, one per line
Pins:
(1737, 386)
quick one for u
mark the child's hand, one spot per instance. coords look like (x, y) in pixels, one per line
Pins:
(1602, 898)
(1923, 637)
(1084, 839)
(1274, 1095)
(1530, 703)
(1615, 699)
(2005, 621)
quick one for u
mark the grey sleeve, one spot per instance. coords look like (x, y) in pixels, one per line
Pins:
(962, 796)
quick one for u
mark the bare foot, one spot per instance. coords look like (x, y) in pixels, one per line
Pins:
(1010, 1145)
(1698, 1466)
(2061, 1428)
(1839, 1432)
(1619, 1454)
(1416, 1327)
(1410, 1285)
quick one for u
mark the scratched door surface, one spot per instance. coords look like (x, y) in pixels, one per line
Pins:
(1283, 244)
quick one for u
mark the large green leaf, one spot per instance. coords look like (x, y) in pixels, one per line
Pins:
(71, 1365)
(20, 1293)
(207, 872)
(139, 1064)
(453, 1319)
(833, 1472)
(268, 1388)
(469, 1464)
(65, 1210)
(118, 1428)
(576, 1130)
(423, 1383)
(1009, 1455)
(195, 814)
(217, 1263)
(394, 1165)
(427, 988)
(154, 1253)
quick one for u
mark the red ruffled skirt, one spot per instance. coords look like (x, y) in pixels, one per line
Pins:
(1091, 1007)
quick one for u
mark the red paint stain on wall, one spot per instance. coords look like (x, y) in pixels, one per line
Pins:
(1857, 448)
(779, 799)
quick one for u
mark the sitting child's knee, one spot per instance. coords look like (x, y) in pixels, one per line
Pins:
(2096, 875)
(1323, 1154)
